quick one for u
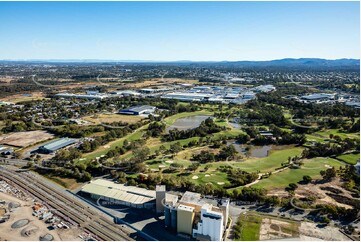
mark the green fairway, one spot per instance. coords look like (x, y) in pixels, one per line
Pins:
(311, 167)
(314, 138)
(342, 135)
(137, 134)
(349, 158)
(215, 178)
(269, 163)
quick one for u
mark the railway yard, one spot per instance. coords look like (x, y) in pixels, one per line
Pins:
(75, 213)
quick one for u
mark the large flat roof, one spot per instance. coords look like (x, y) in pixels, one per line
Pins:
(58, 144)
(131, 194)
(139, 108)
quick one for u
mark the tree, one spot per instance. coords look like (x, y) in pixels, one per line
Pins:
(141, 154)
(86, 176)
(227, 152)
(175, 148)
(328, 174)
(307, 179)
(292, 187)
(194, 166)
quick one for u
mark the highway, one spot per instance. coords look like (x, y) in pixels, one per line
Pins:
(67, 206)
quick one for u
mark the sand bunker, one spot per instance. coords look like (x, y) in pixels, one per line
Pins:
(20, 223)
(161, 166)
(169, 161)
(220, 183)
(194, 177)
(207, 175)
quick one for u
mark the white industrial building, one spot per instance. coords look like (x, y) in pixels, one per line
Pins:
(210, 226)
(197, 217)
(138, 110)
(187, 96)
(98, 96)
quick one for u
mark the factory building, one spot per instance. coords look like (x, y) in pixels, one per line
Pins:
(56, 145)
(185, 220)
(92, 96)
(138, 110)
(120, 194)
(187, 96)
(317, 98)
(196, 217)
(210, 226)
(160, 196)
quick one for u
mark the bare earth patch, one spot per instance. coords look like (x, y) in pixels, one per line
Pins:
(277, 229)
(23, 139)
(23, 212)
(314, 189)
(308, 230)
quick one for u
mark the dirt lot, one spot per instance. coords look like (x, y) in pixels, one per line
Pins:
(23, 139)
(277, 229)
(110, 118)
(308, 230)
(159, 81)
(20, 97)
(321, 195)
(23, 212)
(314, 189)
(273, 229)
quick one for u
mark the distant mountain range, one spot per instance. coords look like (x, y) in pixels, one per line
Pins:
(287, 62)
(302, 62)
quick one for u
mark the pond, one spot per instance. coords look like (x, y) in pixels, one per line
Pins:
(256, 151)
(235, 125)
(188, 122)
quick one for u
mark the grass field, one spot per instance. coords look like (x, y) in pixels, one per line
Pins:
(311, 167)
(249, 226)
(110, 118)
(349, 158)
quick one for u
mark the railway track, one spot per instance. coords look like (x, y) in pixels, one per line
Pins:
(67, 206)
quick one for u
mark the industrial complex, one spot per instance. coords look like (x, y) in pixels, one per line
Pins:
(223, 94)
(189, 216)
(195, 217)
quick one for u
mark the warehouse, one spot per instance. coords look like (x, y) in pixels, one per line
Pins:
(187, 96)
(55, 145)
(138, 110)
(119, 194)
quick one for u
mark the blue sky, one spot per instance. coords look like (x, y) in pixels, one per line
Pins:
(179, 30)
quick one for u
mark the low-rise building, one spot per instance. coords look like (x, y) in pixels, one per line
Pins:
(138, 110)
(56, 145)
